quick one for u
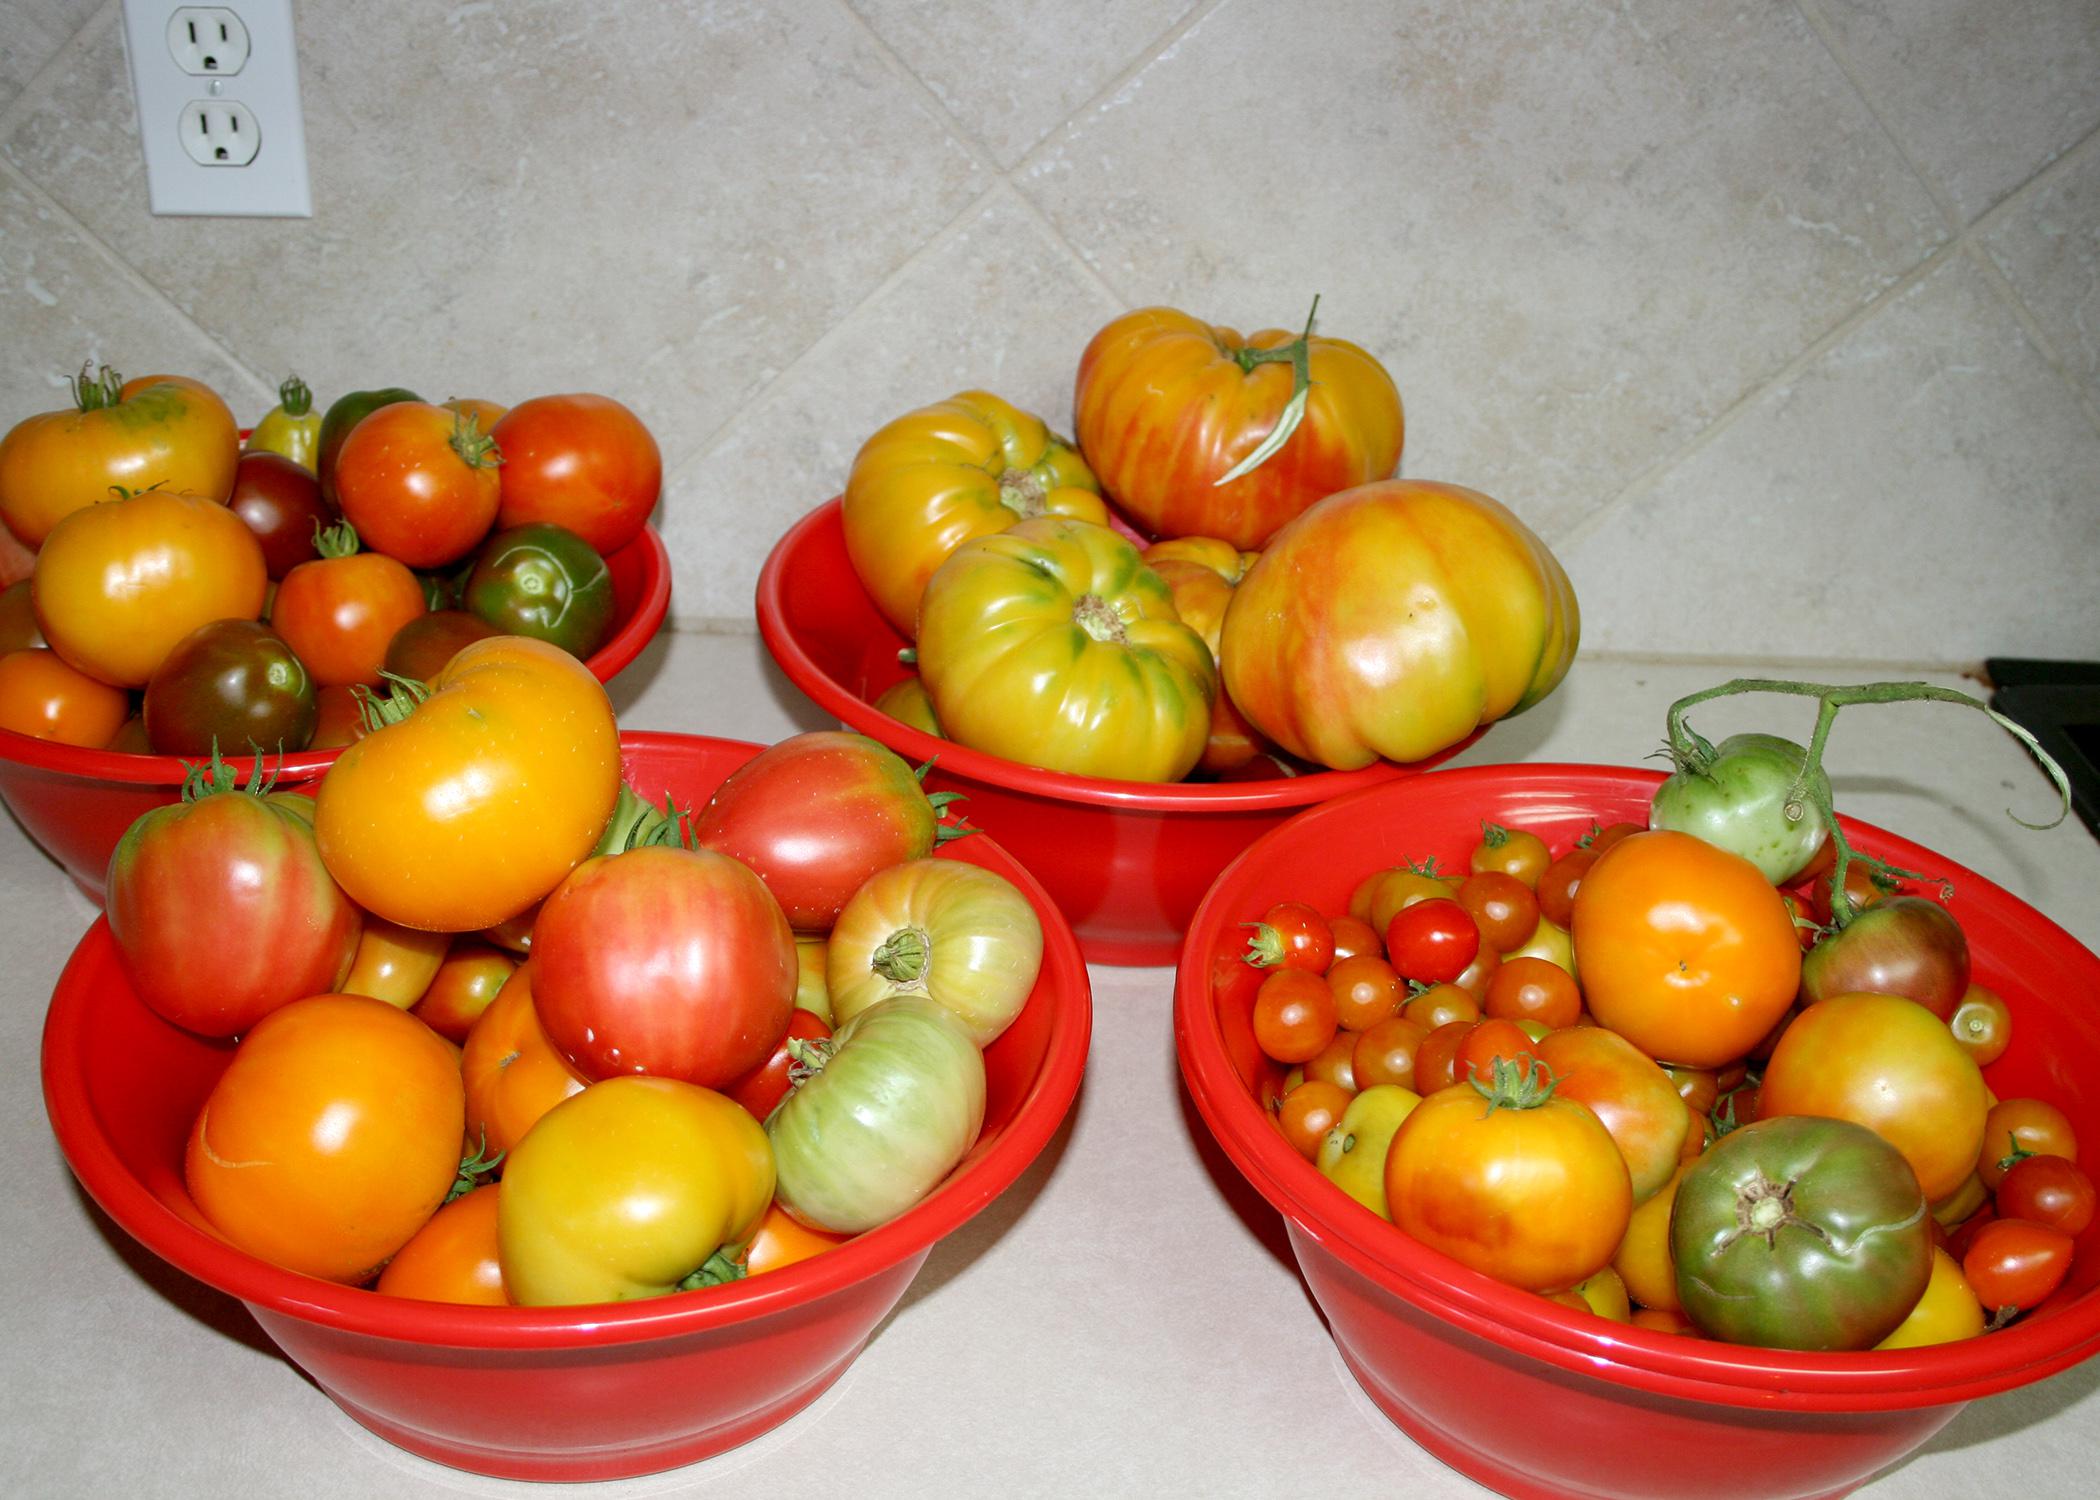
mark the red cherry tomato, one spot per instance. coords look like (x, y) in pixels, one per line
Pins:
(767, 1084)
(1432, 941)
(2015, 1263)
(1291, 935)
(1293, 1015)
(2049, 1190)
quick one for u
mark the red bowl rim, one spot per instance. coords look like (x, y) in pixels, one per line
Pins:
(613, 657)
(1628, 1355)
(1037, 1117)
(977, 765)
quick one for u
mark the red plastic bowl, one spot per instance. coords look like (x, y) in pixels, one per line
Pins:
(1530, 1398)
(77, 803)
(1126, 861)
(549, 1393)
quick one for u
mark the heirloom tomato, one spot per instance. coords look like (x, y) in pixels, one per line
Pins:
(118, 584)
(629, 1189)
(1753, 796)
(1684, 949)
(905, 701)
(513, 1072)
(1201, 594)
(395, 963)
(958, 932)
(281, 503)
(234, 685)
(1052, 644)
(664, 960)
(453, 1257)
(418, 482)
(42, 695)
(18, 629)
(932, 479)
(1633, 1098)
(341, 611)
(1891, 1065)
(291, 429)
(544, 581)
(1905, 945)
(120, 436)
(583, 462)
(479, 801)
(1167, 408)
(420, 648)
(1393, 620)
(818, 813)
(332, 1136)
(1800, 1233)
(221, 908)
(889, 1106)
(1508, 1178)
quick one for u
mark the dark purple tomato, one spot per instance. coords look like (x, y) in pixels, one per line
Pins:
(421, 648)
(233, 684)
(282, 504)
(1907, 945)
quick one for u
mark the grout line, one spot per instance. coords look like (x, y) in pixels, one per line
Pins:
(32, 91)
(1151, 53)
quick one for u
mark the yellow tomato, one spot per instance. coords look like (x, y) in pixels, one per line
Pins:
(1947, 1311)
(395, 963)
(1218, 555)
(482, 799)
(1353, 1154)
(1643, 1259)
(291, 428)
(940, 476)
(158, 430)
(118, 584)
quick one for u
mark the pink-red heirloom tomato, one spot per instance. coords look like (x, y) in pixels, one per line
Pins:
(1393, 620)
(452, 1258)
(817, 814)
(1508, 1178)
(513, 1073)
(418, 482)
(118, 584)
(630, 1189)
(1054, 645)
(158, 430)
(221, 908)
(676, 962)
(331, 1137)
(581, 461)
(946, 474)
(1684, 949)
(1166, 407)
(483, 798)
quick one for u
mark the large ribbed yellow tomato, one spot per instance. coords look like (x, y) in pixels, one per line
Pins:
(937, 477)
(1166, 406)
(1054, 645)
(1393, 620)
(483, 799)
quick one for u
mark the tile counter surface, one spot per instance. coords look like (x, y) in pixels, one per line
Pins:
(1126, 1320)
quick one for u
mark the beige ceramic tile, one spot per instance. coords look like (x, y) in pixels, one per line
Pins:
(666, 203)
(996, 305)
(2048, 246)
(31, 32)
(62, 303)
(1575, 234)
(1922, 492)
(1011, 73)
(1981, 93)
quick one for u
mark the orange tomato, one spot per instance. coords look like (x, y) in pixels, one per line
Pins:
(41, 695)
(395, 963)
(513, 1072)
(452, 1258)
(341, 611)
(158, 430)
(1643, 1259)
(465, 985)
(781, 1241)
(1684, 949)
(331, 1137)
(118, 584)
(1636, 1100)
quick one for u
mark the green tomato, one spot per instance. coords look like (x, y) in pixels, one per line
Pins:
(544, 581)
(1353, 1154)
(895, 1100)
(344, 413)
(1744, 800)
(1799, 1232)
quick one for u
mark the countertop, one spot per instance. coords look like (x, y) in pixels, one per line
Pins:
(1125, 1320)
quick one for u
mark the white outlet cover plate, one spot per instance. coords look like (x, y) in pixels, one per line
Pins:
(274, 184)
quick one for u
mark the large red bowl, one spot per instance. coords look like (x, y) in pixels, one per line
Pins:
(566, 1392)
(1126, 861)
(77, 803)
(1523, 1395)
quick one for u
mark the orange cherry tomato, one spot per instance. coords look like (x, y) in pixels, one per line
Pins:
(341, 611)
(1294, 1015)
(513, 1073)
(1982, 1023)
(41, 694)
(453, 1257)
(1366, 990)
(466, 984)
(1529, 988)
(1515, 852)
(1684, 948)
(339, 717)
(1487, 1043)
(1308, 1112)
(1353, 935)
(1440, 1005)
(2022, 1127)
(1385, 1053)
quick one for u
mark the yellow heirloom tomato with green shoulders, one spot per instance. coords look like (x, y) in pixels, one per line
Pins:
(1054, 645)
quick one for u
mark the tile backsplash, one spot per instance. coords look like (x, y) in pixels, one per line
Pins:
(1778, 319)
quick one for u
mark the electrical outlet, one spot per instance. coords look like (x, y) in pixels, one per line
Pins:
(218, 107)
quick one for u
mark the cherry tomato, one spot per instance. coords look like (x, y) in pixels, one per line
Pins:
(1294, 1015)
(1436, 1060)
(782, 1240)
(1439, 1005)
(1291, 935)
(1558, 882)
(764, 1086)
(1432, 941)
(1504, 908)
(1982, 1023)
(1366, 990)
(1515, 852)
(1308, 1112)
(1353, 935)
(1385, 1053)
(1486, 1043)
(2052, 1191)
(1597, 840)
(1381, 896)
(1336, 1063)
(466, 983)
(2022, 1127)
(1527, 988)
(2015, 1263)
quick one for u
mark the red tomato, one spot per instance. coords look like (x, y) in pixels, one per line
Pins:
(1436, 1060)
(1485, 1044)
(1515, 852)
(1366, 990)
(1559, 881)
(1294, 1015)
(1432, 941)
(281, 501)
(674, 962)
(1291, 935)
(340, 612)
(2014, 1263)
(767, 1084)
(1353, 935)
(2048, 1190)
(584, 462)
(2021, 1127)
(418, 482)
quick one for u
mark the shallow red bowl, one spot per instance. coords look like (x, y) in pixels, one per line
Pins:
(77, 803)
(1126, 861)
(549, 1393)
(1530, 1398)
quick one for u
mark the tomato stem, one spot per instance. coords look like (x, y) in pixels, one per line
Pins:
(1298, 354)
(1515, 1083)
(904, 956)
(476, 449)
(294, 398)
(92, 392)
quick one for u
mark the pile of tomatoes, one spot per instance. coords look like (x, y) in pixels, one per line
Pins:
(1219, 578)
(1647, 1078)
(187, 591)
(506, 1031)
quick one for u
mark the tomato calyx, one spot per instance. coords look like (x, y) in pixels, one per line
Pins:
(1514, 1083)
(339, 540)
(294, 398)
(475, 1170)
(903, 956)
(378, 710)
(93, 390)
(808, 1058)
(213, 777)
(476, 449)
(1099, 619)
(943, 830)
(1763, 1208)
(1265, 948)
(1023, 492)
(1298, 354)
(719, 1269)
